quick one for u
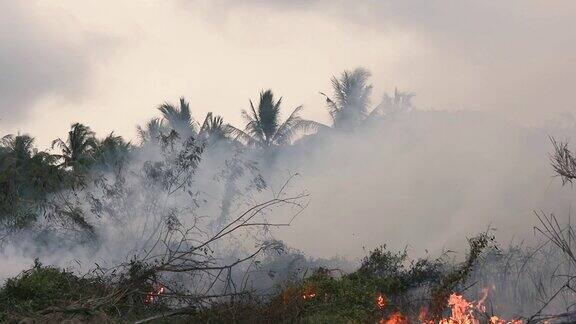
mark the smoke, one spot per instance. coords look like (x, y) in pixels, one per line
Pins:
(425, 180)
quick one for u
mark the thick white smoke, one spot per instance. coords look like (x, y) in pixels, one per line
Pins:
(425, 180)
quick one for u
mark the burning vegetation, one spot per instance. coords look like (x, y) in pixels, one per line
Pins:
(183, 224)
(387, 288)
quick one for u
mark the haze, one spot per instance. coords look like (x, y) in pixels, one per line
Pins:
(110, 63)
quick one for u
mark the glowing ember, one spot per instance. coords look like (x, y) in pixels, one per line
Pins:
(380, 301)
(308, 295)
(153, 295)
(308, 292)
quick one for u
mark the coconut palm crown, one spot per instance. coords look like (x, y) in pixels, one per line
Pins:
(263, 125)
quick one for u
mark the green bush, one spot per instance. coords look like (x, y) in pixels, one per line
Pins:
(44, 286)
(323, 297)
(353, 296)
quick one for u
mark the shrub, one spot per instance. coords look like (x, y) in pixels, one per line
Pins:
(44, 286)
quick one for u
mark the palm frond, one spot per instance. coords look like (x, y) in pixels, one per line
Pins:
(253, 127)
(242, 136)
(351, 93)
(268, 114)
(179, 118)
(292, 125)
(333, 108)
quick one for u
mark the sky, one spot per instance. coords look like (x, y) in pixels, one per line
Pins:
(109, 64)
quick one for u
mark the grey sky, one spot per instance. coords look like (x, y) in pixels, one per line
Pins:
(109, 63)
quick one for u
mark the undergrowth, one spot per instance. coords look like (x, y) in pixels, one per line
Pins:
(325, 296)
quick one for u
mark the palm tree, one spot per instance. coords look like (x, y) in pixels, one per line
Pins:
(398, 103)
(214, 129)
(152, 131)
(351, 99)
(350, 108)
(18, 149)
(26, 176)
(179, 118)
(111, 151)
(264, 129)
(17, 154)
(78, 149)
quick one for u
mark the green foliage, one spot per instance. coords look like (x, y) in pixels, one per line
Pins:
(44, 286)
(458, 275)
(348, 298)
(111, 152)
(353, 296)
(35, 183)
(26, 177)
(77, 148)
(325, 297)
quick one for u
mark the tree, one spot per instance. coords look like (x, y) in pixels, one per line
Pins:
(350, 109)
(26, 177)
(78, 149)
(111, 151)
(390, 105)
(179, 118)
(263, 128)
(214, 129)
(16, 149)
(152, 131)
(351, 93)
(22, 162)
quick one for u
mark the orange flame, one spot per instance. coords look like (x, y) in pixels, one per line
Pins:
(380, 301)
(462, 312)
(395, 318)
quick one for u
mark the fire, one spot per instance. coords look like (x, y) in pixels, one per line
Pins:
(380, 301)
(310, 295)
(462, 312)
(308, 292)
(395, 318)
(153, 295)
